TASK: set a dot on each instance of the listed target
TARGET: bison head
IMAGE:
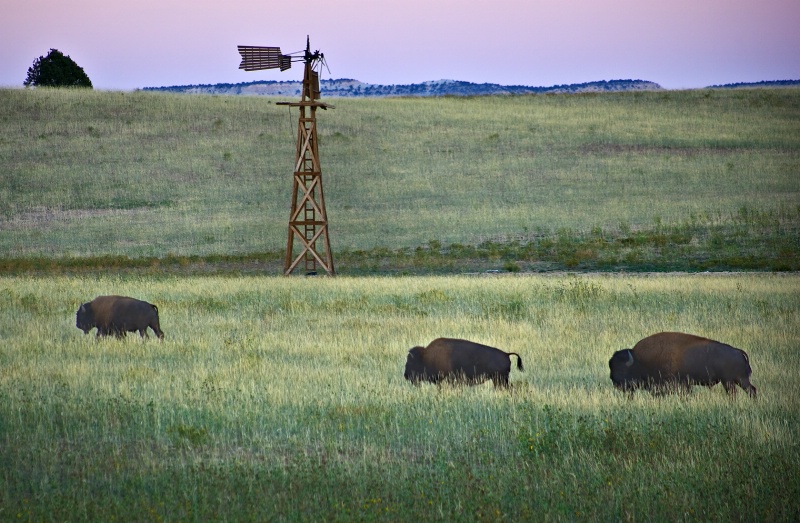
(84, 320)
(624, 369)
(415, 368)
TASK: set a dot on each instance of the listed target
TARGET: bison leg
(684, 387)
(730, 388)
(157, 329)
(500, 380)
(745, 384)
(751, 389)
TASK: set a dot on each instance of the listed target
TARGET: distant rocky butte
(353, 88)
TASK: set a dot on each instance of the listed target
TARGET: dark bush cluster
(56, 70)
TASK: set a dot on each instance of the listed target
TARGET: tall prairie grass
(282, 399)
(149, 174)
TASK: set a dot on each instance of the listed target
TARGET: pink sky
(124, 45)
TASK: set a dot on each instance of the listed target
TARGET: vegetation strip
(768, 243)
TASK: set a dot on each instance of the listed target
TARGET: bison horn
(629, 362)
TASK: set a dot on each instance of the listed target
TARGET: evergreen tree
(56, 70)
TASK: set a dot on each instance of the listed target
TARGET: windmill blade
(256, 58)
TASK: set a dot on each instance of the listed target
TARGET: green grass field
(691, 180)
(283, 399)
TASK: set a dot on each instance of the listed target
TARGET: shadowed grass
(147, 175)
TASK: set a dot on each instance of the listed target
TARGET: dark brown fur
(118, 315)
(675, 359)
(454, 360)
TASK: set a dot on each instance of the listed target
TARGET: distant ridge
(751, 85)
(353, 88)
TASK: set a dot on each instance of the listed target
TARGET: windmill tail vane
(257, 58)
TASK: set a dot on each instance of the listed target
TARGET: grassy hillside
(638, 181)
(283, 399)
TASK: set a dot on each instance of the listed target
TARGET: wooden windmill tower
(308, 221)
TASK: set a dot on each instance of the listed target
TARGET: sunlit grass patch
(295, 387)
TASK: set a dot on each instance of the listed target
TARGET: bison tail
(519, 360)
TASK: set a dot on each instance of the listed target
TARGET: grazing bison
(118, 315)
(448, 359)
(670, 359)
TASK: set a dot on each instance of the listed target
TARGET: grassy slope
(282, 399)
(638, 181)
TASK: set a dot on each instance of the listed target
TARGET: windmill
(308, 221)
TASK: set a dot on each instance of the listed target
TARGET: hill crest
(346, 87)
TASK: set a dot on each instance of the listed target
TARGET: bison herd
(658, 363)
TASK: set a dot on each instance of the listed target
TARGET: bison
(454, 360)
(675, 359)
(118, 315)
